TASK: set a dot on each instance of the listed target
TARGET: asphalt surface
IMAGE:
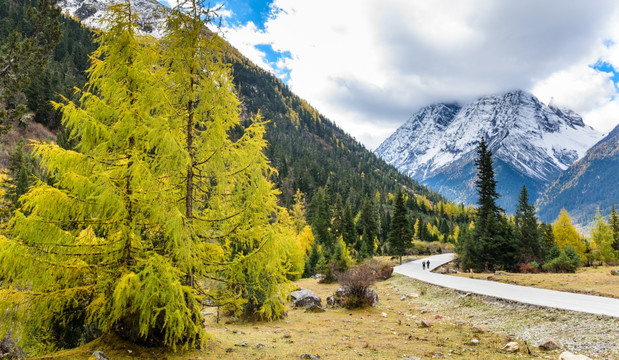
(523, 294)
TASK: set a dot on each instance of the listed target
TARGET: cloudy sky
(369, 64)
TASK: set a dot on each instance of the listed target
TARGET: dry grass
(589, 280)
(337, 333)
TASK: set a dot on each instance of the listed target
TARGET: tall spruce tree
(368, 226)
(614, 225)
(492, 242)
(527, 229)
(400, 236)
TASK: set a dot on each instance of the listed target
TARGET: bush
(382, 269)
(532, 267)
(358, 280)
(563, 263)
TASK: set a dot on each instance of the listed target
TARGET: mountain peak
(528, 138)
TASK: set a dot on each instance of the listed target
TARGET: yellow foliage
(566, 234)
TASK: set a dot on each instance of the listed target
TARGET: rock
(412, 296)
(383, 314)
(549, 345)
(309, 356)
(99, 355)
(260, 346)
(242, 344)
(437, 316)
(480, 329)
(426, 323)
(474, 342)
(9, 349)
(566, 355)
(332, 302)
(498, 273)
(313, 308)
(453, 271)
(371, 297)
(510, 347)
(412, 358)
(614, 272)
(304, 297)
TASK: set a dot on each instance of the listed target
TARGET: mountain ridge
(436, 146)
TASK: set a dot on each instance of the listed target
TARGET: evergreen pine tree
(614, 225)
(19, 176)
(493, 240)
(349, 233)
(400, 236)
(527, 229)
(368, 225)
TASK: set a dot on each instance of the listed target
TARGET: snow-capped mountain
(92, 13)
(532, 144)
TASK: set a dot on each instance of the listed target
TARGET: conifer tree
(109, 243)
(19, 176)
(527, 229)
(493, 243)
(614, 225)
(368, 226)
(24, 57)
(349, 234)
(400, 234)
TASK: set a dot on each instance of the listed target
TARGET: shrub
(532, 267)
(562, 263)
(382, 269)
(358, 280)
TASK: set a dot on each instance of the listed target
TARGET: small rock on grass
(426, 323)
(614, 272)
(480, 329)
(243, 344)
(549, 345)
(474, 342)
(566, 355)
(309, 356)
(510, 347)
(313, 308)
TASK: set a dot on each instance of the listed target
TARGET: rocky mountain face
(532, 144)
(589, 183)
(92, 13)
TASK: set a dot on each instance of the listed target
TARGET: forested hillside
(308, 150)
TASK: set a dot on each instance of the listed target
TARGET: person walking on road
(423, 264)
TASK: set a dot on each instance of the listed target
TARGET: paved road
(548, 298)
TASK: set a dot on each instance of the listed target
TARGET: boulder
(549, 345)
(304, 297)
(510, 347)
(474, 342)
(614, 272)
(566, 355)
(480, 329)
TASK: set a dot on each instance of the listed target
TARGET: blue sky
(369, 64)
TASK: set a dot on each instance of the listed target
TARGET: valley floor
(393, 330)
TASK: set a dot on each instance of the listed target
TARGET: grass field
(392, 330)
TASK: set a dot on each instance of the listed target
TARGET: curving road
(528, 295)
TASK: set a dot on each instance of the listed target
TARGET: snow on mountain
(93, 13)
(529, 139)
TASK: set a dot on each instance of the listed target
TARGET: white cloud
(369, 64)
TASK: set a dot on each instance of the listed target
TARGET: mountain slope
(307, 149)
(532, 144)
(589, 183)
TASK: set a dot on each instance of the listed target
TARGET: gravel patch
(593, 335)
